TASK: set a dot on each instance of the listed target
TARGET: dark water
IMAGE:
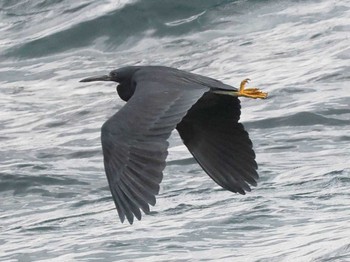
(55, 203)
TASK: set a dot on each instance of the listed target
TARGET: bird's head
(123, 76)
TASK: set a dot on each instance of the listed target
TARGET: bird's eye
(113, 74)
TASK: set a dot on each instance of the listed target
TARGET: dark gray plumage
(160, 99)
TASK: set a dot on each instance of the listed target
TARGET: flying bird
(160, 99)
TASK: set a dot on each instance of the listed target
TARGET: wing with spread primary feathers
(134, 142)
(211, 132)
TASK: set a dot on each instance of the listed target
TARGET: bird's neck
(125, 90)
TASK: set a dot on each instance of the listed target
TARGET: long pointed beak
(96, 78)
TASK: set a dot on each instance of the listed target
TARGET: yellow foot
(246, 92)
(250, 92)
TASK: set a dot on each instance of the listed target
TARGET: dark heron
(159, 99)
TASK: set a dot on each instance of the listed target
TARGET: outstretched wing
(134, 142)
(219, 143)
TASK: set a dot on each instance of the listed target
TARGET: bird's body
(204, 111)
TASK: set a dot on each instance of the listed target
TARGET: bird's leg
(246, 92)
(250, 92)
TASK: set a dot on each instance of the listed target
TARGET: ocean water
(55, 203)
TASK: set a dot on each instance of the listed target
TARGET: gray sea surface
(55, 202)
